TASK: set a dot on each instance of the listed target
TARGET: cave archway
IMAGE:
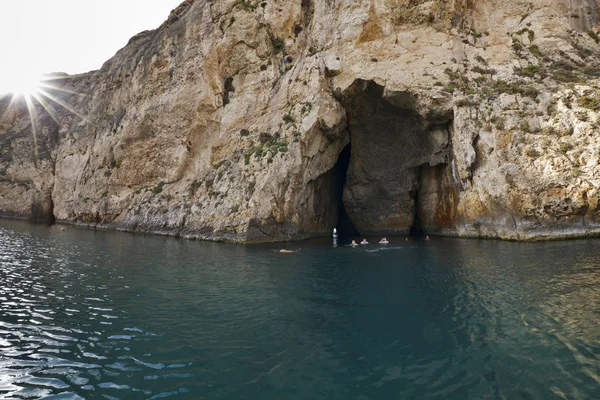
(392, 146)
(42, 210)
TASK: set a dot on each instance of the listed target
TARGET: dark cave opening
(344, 226)
(43, 212)
(417, 226)
(51, 216)
(391, 187)
(228, 88)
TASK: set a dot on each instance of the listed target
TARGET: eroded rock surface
(275, 120)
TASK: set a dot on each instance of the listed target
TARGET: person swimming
(383, 241)
(364, 241)
(289, 251)
(427, 238)
(354, 244)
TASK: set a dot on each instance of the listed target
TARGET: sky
(72, 36)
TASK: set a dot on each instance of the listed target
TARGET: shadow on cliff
(344, 226)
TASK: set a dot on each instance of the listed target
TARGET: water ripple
(87, 314)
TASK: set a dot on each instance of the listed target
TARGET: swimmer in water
(427, 238)
(383, 241)
(289, 251)
(364, 241)
(354, 244)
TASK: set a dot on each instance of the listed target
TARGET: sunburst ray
(47, 107)
(31, 110)
(43, 91)
(46, 83)
(63, 104)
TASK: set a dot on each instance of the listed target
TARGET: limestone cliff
(253, 121)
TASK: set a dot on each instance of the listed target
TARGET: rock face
(252, 121)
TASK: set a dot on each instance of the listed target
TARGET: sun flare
(40, 94)
(21, 84)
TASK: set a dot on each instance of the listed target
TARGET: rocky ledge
(256, 121)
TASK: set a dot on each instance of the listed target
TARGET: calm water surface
(108, 315)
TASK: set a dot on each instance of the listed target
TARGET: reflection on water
(87, 314)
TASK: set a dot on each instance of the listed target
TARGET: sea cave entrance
(383, 182)
(42, 210)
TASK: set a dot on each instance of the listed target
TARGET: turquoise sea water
(106, 315)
